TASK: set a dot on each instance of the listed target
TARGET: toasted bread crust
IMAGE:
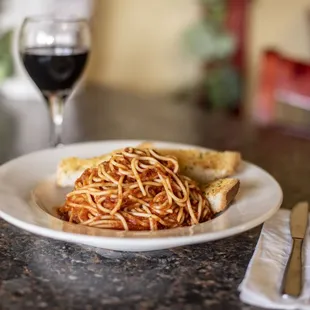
(221, 193)
(205, 166)
(69, 169)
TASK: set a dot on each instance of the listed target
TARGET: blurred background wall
(137, 44)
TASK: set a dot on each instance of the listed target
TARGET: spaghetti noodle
(136, 189)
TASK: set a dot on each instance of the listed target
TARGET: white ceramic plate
(28, 195)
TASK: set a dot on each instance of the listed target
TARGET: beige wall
(137, 44)
(281, 24)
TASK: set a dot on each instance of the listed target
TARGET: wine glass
(54, 52)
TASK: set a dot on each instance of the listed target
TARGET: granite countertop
(37, 273)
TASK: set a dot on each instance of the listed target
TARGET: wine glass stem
(56, 105)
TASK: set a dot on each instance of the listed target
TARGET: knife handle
(292, 281)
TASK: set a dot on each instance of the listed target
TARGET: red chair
(283, 93)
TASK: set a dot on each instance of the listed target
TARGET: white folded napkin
(262, 282)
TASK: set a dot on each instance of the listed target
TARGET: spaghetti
(136, 189)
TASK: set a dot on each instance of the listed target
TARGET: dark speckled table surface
(39, 273)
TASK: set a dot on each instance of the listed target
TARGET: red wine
(54, 69)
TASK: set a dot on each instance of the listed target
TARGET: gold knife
(293, 278)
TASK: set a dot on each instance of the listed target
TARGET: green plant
(6, 59)
(209, 41)
(223, 86)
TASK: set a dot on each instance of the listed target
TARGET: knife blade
(292, 280)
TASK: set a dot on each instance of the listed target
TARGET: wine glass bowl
(54, 52)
